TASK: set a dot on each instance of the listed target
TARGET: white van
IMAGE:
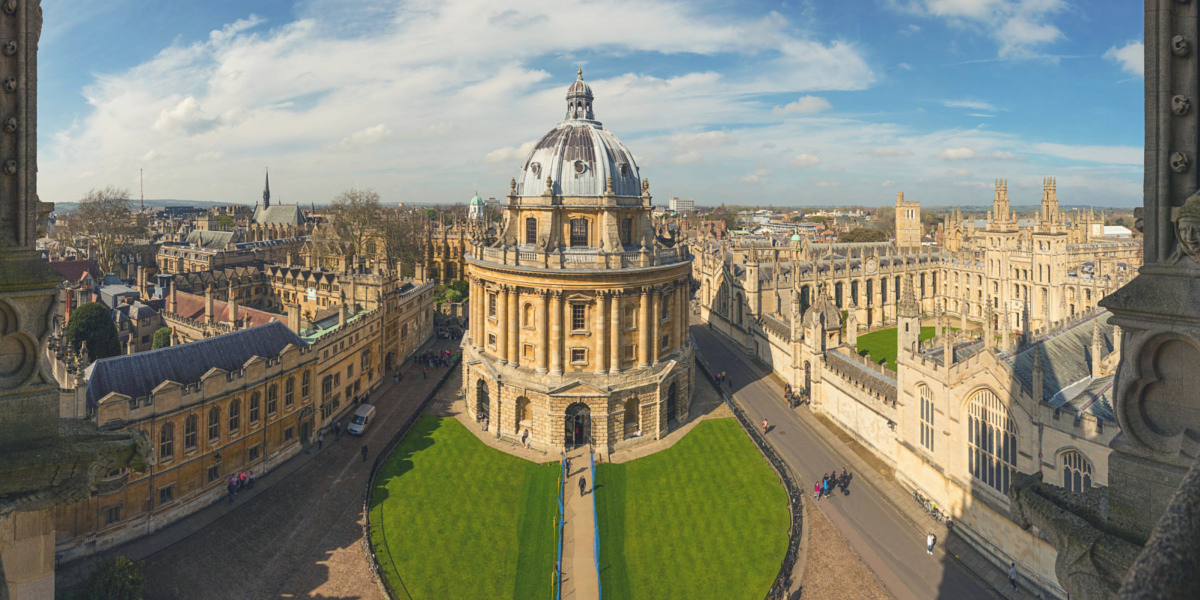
(362, 417)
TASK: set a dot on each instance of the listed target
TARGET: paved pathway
(878, 518)
(579, 527)
(298, 534)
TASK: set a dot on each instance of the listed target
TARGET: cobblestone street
(302, 537)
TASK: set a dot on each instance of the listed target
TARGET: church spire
(267, 191)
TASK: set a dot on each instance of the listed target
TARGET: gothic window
(235, 415)
(189, 433)
(870, 292)
(579, 233)
(1077, 471)
(166, 442)
(926, 417)
(883, 291)
(214, 424)
(627, 231)
(530, 231)
(837, 294)
(992, 441)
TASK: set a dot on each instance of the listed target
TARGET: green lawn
(452, 518)
(882, 344)
(704, 519)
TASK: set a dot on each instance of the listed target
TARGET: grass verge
(452, 518)
(706, 518)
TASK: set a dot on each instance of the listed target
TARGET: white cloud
(904, 66)
(1131, 57)
(1116, 155)
(186, 117)
(804, 160)
(888, 183)
(509, 154)
(367, 136)
(1002, 155)
(956, 154)
(971, 104)
(707, 139)
(960, 173)
(983, 185)
(1020, 27)
(806, 105)
(756, 176)
(687, 158)
(891, 151)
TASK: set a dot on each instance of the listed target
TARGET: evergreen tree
(162, 338)
(93, 323)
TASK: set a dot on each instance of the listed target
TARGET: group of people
(450, 333)
(434, 358)
(830, 481)
(723, 377)
(239, 481)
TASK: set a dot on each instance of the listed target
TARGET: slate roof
(135, 375)
(288, 214)
(1067, 366)
(213, 240)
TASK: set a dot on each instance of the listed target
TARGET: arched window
(214, 423)
(326, 387)
(528, 318)
(190, 424)
(579, 233)
(166, 442)
(992, 440)
(255, 401)
(522, 412)
(289, 392)
(304, 381)
(531, 231)
(627, 231)
(235, 415)
(272, 399)
(1077, 471)
(926, 416)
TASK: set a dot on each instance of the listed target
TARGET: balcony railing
(583, 258)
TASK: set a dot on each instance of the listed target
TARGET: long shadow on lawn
(419, 438)
(610, 519)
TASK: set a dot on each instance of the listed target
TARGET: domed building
(578, 331)
(475, 209)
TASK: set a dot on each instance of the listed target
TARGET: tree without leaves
(402, 235)
(354, 219)
(105, 217)
(92, 323)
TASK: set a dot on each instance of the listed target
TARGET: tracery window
(1077, 471)
(926, 417)
(992, 441)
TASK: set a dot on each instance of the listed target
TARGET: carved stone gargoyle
(1093, 554)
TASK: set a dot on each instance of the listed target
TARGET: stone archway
(578, 426)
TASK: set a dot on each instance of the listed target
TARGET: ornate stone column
(502, 325)
(644, 330)
(514, 326)
(614, 345)
(602, 332)
(543, 331)
(556, 333)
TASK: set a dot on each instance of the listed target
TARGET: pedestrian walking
(567, 466)
(525, 439)
(249, 480)
(232, 489)
(424, 373)
(817, 491)
(764, 427)
(825, 488)
(320, 440)
(241, 481)
(730, 382)
(929, 543)
(1012, 576)
(364, 452)
(337, 430)
(582, 485)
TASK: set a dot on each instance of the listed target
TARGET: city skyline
(761, 103)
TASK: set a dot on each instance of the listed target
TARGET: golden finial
(579, 73)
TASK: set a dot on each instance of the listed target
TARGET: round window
(536, 168)
(579, 166)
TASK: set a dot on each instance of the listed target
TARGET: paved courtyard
(297, 535)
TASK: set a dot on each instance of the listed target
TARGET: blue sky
(746, 102)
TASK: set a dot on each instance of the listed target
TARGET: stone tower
(43, 462)
(908, 320)
(1000, 208)
(908, 222)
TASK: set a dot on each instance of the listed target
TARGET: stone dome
(579, 155)
(476, 200)
(796, 237)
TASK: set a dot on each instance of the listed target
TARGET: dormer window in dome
(580, 167)
(536, 168)
(624, 168)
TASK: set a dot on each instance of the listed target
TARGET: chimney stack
(208, 304)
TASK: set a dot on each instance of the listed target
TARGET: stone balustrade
(582, 258)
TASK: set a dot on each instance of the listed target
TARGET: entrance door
(579, 426)
(306, 430)
(483, 399)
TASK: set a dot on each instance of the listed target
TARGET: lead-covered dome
(579, 155)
